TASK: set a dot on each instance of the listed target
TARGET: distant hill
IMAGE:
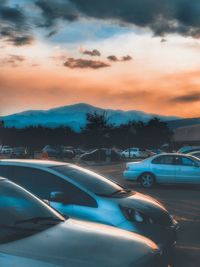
(74, 116)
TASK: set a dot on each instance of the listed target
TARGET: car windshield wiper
(39, 219)
(123, 191)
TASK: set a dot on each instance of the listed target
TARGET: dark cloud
(84, 63)
(53, 10)
(187, 98)
(51, 33)
(20, 40)
(167, 16)
(126, 58)
(163, 40)
(13, 25)
(93, 53)
(11, 14)
(112, 58)
(115, 58)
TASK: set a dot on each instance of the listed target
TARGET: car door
(187, 170)
(75, 202)
(163, 168)
(38, 182)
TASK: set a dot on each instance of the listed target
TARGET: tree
(97, 132)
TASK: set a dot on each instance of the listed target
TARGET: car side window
(168, 160)
(187, 162)
(42, 183)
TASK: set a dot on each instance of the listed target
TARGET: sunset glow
(156, 74)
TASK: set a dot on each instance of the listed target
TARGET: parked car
(188, 149)
(67, 153)
(83, 194)
(33, 234)
(79, 151)
(136, 153)
(58, 152)
(101, 155)
(19, 152)
(156, 151)
(131, 153)
(195, 154)
(168, 168)
(6, 150)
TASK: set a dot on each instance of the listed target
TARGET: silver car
(32, 234)
(168, 168)
(83, 194)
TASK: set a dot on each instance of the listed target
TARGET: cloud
(187, 98)
(162, 17)
(84, 63)
(115, 58)
(112, 58)
(11, 14)
(54, 10)
(12, 60)
(20, 40)
(93, 53)
(52, 33)
(126, 58)
(14, 26)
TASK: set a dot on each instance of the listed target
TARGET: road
(182, 201)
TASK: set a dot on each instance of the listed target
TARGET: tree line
(97, 133)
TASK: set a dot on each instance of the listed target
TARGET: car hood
(76, 243)
(15, 261)
(148, 206)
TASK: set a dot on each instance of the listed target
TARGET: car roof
(172, 154)
(32, 162)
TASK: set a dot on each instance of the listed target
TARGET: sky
(130, 55)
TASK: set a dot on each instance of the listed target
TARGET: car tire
(147, 180)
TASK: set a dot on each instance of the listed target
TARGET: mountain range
(74, 116)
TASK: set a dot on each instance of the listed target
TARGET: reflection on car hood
(148, 206)
(76, 243)
(15, 261)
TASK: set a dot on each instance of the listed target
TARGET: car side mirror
(59, 197)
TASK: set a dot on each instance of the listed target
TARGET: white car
(6, 150)
(32, 234)
(168, 168)
(134, 152)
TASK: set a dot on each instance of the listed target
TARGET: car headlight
(135, 216)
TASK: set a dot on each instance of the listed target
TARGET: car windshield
(22, 214)
(90, 180)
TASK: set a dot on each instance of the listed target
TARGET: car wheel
(147, 180)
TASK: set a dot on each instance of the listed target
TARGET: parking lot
(182, 201)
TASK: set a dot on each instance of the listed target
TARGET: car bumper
(164, 237)
(131, 175)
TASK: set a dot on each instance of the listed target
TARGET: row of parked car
(60, 152)
(75, 217)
